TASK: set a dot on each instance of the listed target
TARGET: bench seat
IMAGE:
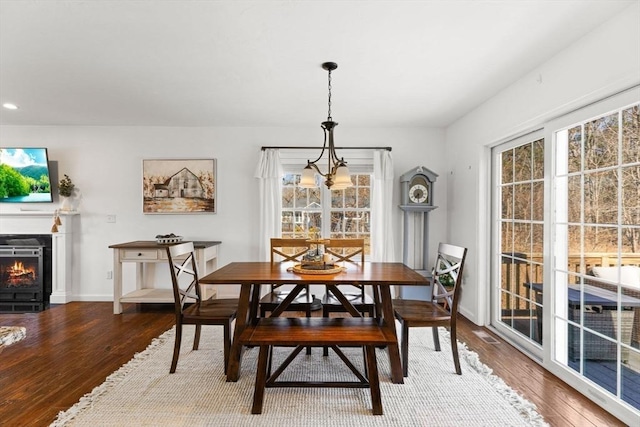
(316, 332)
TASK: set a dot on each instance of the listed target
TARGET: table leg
(117, 282)
(255, 302)
(140, 276)
(388, 321)
(343, 300)
(242, 318)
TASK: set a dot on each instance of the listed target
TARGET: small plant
(66, 186)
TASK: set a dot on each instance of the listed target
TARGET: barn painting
(174, 186)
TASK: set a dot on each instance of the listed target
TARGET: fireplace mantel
(40, 222)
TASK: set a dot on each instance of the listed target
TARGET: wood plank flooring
(72, 348)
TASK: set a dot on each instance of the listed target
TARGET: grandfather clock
(417, 196)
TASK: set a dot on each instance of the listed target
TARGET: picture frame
(178, 186)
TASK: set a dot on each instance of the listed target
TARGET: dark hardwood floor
(72, 348)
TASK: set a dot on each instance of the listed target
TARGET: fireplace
(25, 273)
(59, 263)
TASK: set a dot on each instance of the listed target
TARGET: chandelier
(337, 176)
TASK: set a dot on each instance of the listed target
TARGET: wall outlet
(111, 218)
(109, 274)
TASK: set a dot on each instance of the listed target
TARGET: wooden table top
(382, 273)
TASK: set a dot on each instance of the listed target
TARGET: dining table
(251, 276)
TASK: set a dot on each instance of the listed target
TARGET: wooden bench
(316, 332)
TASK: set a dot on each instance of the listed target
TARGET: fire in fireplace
(25, 273)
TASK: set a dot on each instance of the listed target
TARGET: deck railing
(518, 269)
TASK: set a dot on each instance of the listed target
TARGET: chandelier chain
(329, 85)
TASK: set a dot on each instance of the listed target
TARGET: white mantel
(40, 222)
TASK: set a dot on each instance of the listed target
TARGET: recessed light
(9, 106)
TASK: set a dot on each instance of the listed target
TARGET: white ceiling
(258, 63)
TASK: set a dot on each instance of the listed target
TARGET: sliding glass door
(596, 320)
(565, 281)
(518, 199)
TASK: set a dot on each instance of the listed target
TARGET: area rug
(11, 334)
(143, 393)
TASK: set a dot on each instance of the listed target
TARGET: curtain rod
(337, 148)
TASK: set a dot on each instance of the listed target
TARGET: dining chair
(190, 308)
(441, 310)
(344, 251)
(285, 250)
(288, 250)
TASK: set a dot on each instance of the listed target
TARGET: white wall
(603, 62)
(105, 163)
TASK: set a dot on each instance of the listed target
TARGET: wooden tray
(329, 270)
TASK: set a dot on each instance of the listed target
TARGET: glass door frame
(529, 346)
(553, 305)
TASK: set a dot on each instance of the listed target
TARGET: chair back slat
(345, 249)
(447, 275)
(288, 249)
(284, 250)
(184, 274)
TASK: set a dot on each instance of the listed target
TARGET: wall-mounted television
(25, 175)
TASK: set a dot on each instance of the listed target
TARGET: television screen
(24, 175)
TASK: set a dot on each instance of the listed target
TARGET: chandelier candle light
(337, 176)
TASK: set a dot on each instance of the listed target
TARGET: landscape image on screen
(24, 175)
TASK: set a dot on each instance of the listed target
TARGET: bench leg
(261, 379)
(374, 381)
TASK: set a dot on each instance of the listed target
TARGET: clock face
(418, 193)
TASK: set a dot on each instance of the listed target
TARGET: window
(336, 213)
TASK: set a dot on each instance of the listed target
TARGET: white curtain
(269, 173)
(382, 248)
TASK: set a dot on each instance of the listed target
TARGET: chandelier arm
(313, 165)
(333, 158)
(324, 145)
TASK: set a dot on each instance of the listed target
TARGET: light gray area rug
(11, 334)
(143, 393)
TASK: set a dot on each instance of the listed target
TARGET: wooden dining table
(380, 276)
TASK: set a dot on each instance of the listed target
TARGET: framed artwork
(179, 186)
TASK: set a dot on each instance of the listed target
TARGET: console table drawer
(135, 254)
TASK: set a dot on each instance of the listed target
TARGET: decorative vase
(67, 205)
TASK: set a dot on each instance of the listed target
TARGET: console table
(146, 254)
